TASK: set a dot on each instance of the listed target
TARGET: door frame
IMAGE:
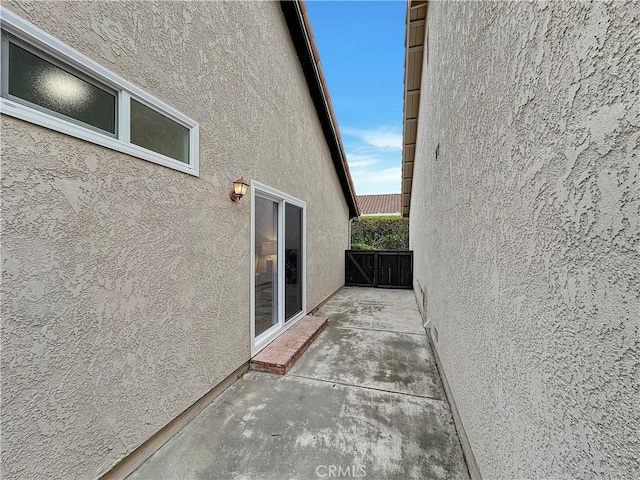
(265, 191)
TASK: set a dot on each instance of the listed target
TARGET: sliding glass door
(266, 265)
(293, 268)
(279, 269)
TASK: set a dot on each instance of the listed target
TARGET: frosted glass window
(45, 82)
(152, 130)
(35, 80)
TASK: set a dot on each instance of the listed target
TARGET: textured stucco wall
(526, 231)
(125, 288)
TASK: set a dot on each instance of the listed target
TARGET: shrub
(361, 246)
(380, 233)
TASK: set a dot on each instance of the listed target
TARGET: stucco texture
(125, 285)
(526, 231)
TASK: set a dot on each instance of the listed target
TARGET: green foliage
(380, 233)
(361, 246)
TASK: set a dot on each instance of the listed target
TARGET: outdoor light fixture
(240, 187)
(268, 248)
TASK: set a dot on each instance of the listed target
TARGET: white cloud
(384, 137)
(374, 160)
(360, 160)
(368, 182)
(358, 164)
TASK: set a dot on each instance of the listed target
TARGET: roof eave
(415, 20)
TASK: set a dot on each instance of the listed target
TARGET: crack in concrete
(368, 388)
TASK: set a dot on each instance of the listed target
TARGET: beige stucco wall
(526, 231)
(125, 287)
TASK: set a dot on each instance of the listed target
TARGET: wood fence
(379, 268)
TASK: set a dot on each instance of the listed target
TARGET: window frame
(25, 34)
(10, 38)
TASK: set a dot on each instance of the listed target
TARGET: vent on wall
(437, 151)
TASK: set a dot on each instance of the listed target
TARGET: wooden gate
(379, 268)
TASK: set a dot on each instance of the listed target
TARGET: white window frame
(32, 35)
(257, 344)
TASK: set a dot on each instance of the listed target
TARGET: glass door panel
(293, 268)
(266, 265)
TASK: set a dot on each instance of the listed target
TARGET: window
(154, 131)
(46, 82)
(41, 83)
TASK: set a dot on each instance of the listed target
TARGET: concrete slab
(395, 362)
(364, 401)
(273, 427)
(390, 310)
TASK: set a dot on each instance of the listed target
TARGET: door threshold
(281, 354)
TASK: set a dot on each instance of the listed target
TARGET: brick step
(280, 355)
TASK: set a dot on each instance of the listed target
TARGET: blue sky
(362, 53)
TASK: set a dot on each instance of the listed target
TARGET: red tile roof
(388, 204)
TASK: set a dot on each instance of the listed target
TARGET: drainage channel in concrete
(364, 401)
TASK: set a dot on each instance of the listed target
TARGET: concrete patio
(364, 401)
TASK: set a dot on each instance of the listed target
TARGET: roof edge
(413, 61)
(295, 14)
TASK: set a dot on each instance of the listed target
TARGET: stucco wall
(526, 231)
(125, 288)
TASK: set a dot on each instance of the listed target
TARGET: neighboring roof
(295, 14)
(380, 204)
(416, 21)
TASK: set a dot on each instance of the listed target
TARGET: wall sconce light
(240, 187)
(268, 248)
